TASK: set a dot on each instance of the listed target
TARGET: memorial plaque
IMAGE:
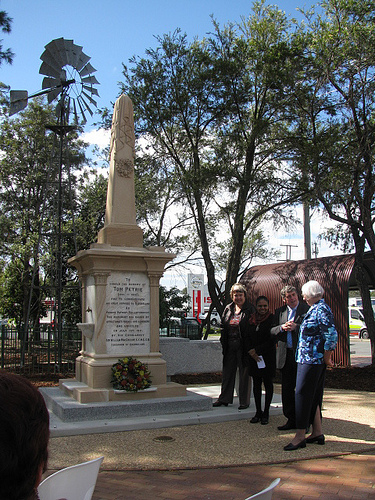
(128, 313)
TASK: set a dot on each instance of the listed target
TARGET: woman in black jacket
(261, 349)
(234, 323)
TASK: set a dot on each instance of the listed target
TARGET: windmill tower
(69, 80)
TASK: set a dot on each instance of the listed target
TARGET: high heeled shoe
(290, 446)
(316, 439)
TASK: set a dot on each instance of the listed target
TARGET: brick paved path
(350, 476)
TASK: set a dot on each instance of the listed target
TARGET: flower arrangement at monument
(130, 375)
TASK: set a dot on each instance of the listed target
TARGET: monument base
(95, 370)
(83, 394)
(92, 382)
(67, 409)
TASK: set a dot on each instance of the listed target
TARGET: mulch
(352, 378)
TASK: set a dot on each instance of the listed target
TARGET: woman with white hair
(317, 341)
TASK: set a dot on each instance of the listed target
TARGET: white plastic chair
(72, 483)
(266, 494)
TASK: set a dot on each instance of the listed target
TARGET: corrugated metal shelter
(334, 273)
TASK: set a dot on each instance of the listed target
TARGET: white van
(215, 317)
(357, 325)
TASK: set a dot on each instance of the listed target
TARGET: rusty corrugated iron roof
(333, 273)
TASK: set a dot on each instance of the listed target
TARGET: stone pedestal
(120, 285)
(120, 317)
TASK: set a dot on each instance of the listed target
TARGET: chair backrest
(72, 483)
(266, 494)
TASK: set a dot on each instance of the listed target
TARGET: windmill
(68, 79)
(69, 76)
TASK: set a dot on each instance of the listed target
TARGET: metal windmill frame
(69, 77)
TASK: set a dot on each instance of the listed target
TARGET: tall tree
(209, 111)
(6, 55)
(334, 127)
(28, 198)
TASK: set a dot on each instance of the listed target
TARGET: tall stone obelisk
(120, 228)
(120, 285)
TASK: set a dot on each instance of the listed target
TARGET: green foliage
(334, 127)
(212, 113)
(172, 302)
(334, 120)
(90, 215)
(6, 26)
(28, 199)
(11, 291)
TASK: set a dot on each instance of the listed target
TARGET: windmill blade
(90, 99)
(53, 94)
(48, 70)
(53, 54)
(91, 89)
(77, 50)
(82, 61)
(58, 110)
(69, 52)
(49, 59)
(49, 83)
(86, 105)
(59, 46)
(81, 109)
(90, 79)
(18, 101)
(75, 112)
(87, 70)
(73, 53)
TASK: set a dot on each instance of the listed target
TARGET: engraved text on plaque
(128, 313)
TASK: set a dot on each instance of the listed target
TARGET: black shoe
(264, 420)
(287, 427)
(219, 403)
(290, 446)
(317, 439)
(256, 418)
(243, 407)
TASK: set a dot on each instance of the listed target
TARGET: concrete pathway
(231, 458)
(348, 476)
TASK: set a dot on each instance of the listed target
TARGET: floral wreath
(130, 375)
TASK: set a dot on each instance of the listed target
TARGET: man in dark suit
(286, 330)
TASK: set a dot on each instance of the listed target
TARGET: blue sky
(110, 32)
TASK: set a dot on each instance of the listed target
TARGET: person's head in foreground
(312, 292)
(24, 436)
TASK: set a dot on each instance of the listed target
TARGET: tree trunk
(360, 278)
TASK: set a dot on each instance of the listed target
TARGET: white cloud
(100, 138)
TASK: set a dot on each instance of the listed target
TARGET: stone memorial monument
(120, 286)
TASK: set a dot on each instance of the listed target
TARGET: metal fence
(41, 352)
(189, 331)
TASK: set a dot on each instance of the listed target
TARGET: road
(360, 351)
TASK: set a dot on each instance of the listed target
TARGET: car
(214, 319)
(357, 325)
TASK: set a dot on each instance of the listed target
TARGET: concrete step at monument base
(82, 393)
(68, 409)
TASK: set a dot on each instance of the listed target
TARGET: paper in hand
(261, 363)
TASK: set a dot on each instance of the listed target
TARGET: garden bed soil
(353, 378)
